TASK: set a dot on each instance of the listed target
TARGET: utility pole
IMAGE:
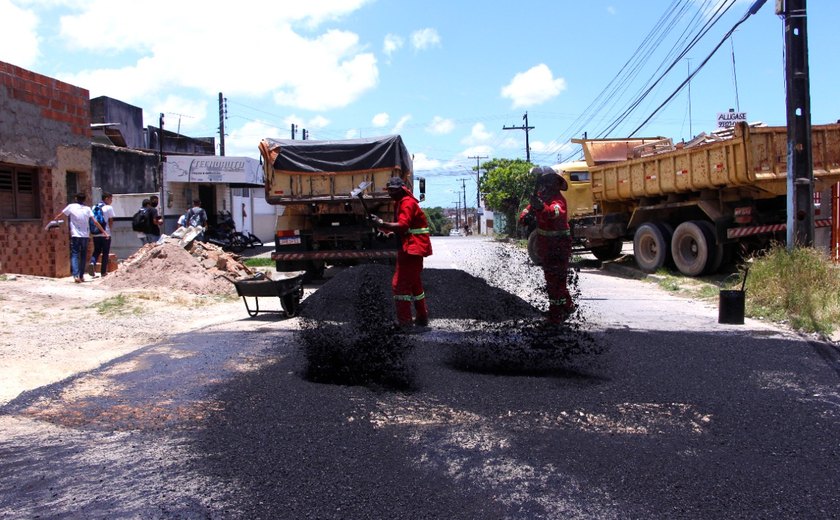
(464, 190)
(458, 214)
(800, 171)
(222, 117)
(294, 131)
(478, 190)
(526, 128)
(305, 134)
(160, 170)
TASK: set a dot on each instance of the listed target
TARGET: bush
(801, 286)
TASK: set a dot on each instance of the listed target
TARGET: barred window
(18, 193)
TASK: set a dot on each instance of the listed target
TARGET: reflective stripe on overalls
(409, 297)
(558, 233)
(418, 231)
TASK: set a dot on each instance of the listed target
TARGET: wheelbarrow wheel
(291, 303)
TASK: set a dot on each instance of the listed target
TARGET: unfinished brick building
(45, 158)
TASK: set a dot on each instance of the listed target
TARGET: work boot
(91, 270)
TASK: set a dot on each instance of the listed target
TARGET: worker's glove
(376, 221)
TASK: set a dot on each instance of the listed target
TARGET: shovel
(359, 192)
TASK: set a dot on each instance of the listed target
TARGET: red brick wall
(58, 101)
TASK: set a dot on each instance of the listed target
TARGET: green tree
(438, 223)
(506, 187)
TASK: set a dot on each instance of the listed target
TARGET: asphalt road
(664, 414)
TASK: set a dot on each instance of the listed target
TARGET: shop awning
(213, 169)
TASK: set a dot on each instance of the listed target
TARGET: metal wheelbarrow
(288, 286)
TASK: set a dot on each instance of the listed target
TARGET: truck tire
(717, 251)
(610, 251)
(651, 246)
(532, 248)
(693, 247)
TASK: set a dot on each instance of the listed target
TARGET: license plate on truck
(287, 241)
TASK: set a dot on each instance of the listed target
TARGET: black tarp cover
(347, 155)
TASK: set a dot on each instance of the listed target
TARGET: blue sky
(447, 75)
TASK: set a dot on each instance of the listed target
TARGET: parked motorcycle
(224, 234)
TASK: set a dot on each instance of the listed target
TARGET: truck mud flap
(333, 255)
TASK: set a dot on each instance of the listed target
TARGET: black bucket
(731, 307)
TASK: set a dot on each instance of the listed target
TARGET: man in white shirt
(80, 218)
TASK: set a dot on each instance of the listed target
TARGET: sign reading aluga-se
(729, 119)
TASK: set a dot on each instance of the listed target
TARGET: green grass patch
(801, 286)
(119, 304)
(259, 261)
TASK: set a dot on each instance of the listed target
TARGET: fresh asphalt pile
(349, 337)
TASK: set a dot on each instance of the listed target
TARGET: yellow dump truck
(692, 203)
(326, 190)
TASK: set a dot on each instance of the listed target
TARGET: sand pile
(196, 269)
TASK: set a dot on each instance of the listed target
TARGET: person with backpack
(154, 221)
(140, 221)
(103, 213)
(80, 218)
(196, 217)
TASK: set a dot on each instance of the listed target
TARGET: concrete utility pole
(294, 131)
(162, 204)
(458, 214)
(526, 128)
(478, 190)
(222, 117)
(464, 190)
(800, 171)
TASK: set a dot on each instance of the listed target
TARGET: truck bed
(754, 158)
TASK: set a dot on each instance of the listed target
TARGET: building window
(71, 180)
(18, 193)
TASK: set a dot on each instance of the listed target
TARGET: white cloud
(440, 125)
(19, 42)
(245, 140)
(424, 39)
(392, 44)
(534, 86)
(611, 10)
(319, 70)
(317, 122)
(478, 134)
(400, 124)
(352, 133)
(380, 120)
(422, 162)
(477, 151)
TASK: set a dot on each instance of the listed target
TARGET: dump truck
(691, 205)
(326, 190)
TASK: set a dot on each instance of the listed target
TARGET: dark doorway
(207, 194)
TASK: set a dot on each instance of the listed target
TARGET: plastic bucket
(731, 307)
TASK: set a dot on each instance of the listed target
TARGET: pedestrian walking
(103, 213)
(554, 242)
(412, 228)
(154, 221)
(80, 218)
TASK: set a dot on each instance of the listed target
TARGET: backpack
(99, 217)
(193, 218)
(140, 221)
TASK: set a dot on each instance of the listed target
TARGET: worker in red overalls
(554, 242)
(413, 229)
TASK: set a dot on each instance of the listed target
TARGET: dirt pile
(196, 269)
